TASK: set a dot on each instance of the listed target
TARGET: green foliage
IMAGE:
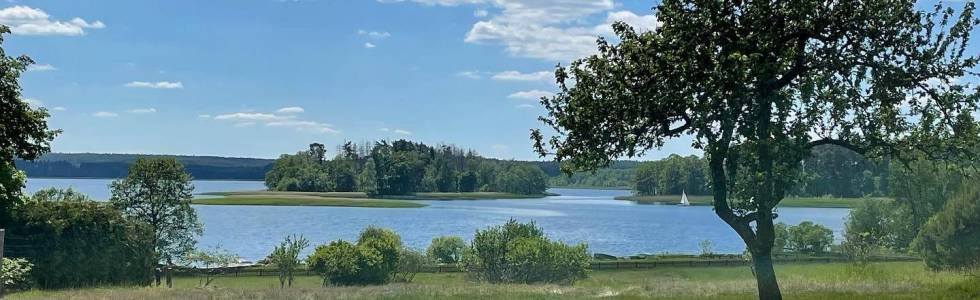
(113, 165)
(410, 262)
(520, 253)
(922, 189)
(24, 130)
(73, 242)
(15, 274)
(446, 249)
(401, 168)
(672, 175)
(522, 179)
(706, 248)
(809, 238)
(951, 238)
(338, 262)
(875, 225)
(375, 259)
(781, 234)
(158, 192)
(213, 261)
(286, 258)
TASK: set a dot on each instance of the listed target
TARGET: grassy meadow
(704, 200)
(891, 280)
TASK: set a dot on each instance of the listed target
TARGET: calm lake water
(578, 215)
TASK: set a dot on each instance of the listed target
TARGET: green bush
(75, 242)
(446, 249)
(809, 238)
(15, 274)
(951, 238)
(520, 253)
(410, 262)
(373, 260)
(338, 262)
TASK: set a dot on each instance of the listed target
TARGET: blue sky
(264, 77)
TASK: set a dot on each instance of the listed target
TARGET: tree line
(401, 167)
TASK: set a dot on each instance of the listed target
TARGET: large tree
(24, 131)
(759, 84)
(158, 192)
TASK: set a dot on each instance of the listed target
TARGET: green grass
(701, 200)
(893, 280)
(295, 200)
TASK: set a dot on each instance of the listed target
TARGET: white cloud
(304, 125)
(530, 95)
(156, 85)
(105, 114)
(374, 34)
(41, 68)
(369, 45)
(554, 30)
(290, 110)
(402, 132)
(243, 119)
(518, 76)
(252, 116)
(470, 74)
(479, 13)
(24, 20)
(204, 116)
(385, 129)
(148, 110)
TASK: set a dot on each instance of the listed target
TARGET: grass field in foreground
(893, 280)
(701, 200)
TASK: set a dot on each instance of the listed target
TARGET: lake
(577, 215)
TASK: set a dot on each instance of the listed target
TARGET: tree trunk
(765, 277)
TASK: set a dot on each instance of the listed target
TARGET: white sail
(684, 201)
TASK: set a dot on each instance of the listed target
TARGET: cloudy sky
(263, 77)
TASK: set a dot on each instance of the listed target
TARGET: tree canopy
(760, 84)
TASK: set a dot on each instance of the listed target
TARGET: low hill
(100, 165)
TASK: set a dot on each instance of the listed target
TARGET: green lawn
(892, 280)
(701, 200)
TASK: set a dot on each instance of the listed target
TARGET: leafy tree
(367, 181)
(74, 241)
(446, 249)
(809, 238)
(920, 191)
(386, 244)
(158, 192)
(214, 261)
(286, 258)
(410, 263)
(339, 262)
(375, 259)
(24, 131)
(875, 225)
(468, 182)
(318, 152)
(759, 84)
(951, 238)
(15, 274)
(780, 235)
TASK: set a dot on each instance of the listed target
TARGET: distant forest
(98, 165)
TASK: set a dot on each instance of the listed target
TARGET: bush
(410, 262)
(781, 235)
(15, 274)
(520, 253)
(809, 238)
(374, 259)
(446, 249)
(75, 242)
(286, 258)
(951, 238)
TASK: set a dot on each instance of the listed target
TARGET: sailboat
(684, 201)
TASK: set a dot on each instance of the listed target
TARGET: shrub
(809, 238)
(76, 242)
(15, 274)
(286, 258)
(519, 252)
(781, 234)
(410, 262)
(338, 262)
(951, 238)
(446, 249)
(374, 259)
